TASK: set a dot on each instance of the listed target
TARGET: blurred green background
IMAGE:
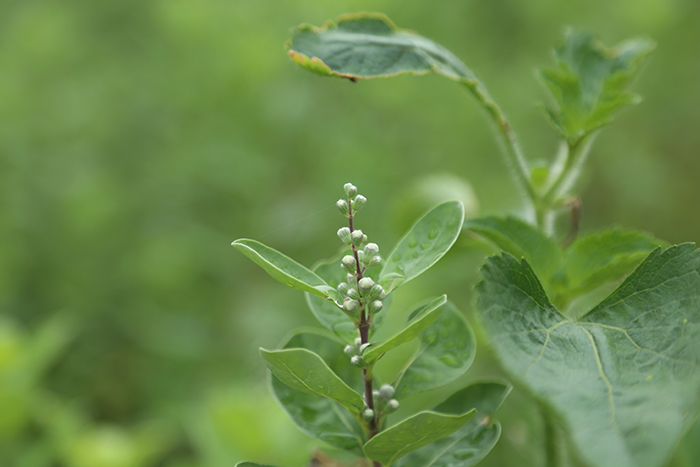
(139, 138)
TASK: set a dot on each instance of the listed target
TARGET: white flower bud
(357, 361)
(368, 414)
(376, 306)
(349, 264)
(363, 347)
(392, 406)
(358, 342)
(343, 207)
(350, 190)
(365, 284)
(386, 392)
(375, 260)
(358, 202)
(350, 305)
(343, 288)
(357, 237)
(350, 351)
(353, 293)
(361, 256)
(344, 235)
(371, 249)
(376, 291)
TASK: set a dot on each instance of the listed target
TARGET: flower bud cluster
(355, 352)
(384, 402)
(358, 293)
(352, 203)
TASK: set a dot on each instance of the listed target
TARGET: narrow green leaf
(251, 464)
(470, 444)
(521, 240)
(283, 268)
(413, 433)
(424, 244)
(630, 367)
(446, 351)
(369, 45)
(589, 83)
(317, 415)
(305, 371)
(328, 313)
(419, 319)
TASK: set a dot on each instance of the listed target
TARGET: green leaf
(589, 83)
(413, 433)
(521, 240)
(423, 245)
(328, 313)
(446, 351)
(305, 371)
(419, 319)
(283, 268)
(603, 257)
(590, 262)
(624, 379)
(317, 415)
(470, 444)
(251, 464)
(369, 45)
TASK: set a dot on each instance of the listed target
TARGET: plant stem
(514, 156)
(363, 327)
(552, 440)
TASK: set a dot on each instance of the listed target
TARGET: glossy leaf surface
(589, 83)
(423, 245)
(317, 415)
(369, 45)
(413, 433)
(305, 371)
(283, 268)
(420, 318)
(624, 378)
(470, 444)
(447, 350)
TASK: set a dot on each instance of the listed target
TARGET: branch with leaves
(620, 380)
(326, 382)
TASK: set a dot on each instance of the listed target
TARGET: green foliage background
(138, 139)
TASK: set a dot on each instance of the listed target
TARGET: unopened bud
(353, 293)
(375, 260)
(363, 347)
(350, 305)
(357, 237)
(343, 288)
(365, 284)
(386, 392)
(357, 361)
(376, 291)
(350, 350)
(344, 235)
(368, 414)
(358, 202)
(349, 264)
(350, 190)
(392, 406)
(371, 249)
(358, 342)
(361, 256)
(343, 207)
(376, 306)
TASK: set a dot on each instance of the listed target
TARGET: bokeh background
(139, 138)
